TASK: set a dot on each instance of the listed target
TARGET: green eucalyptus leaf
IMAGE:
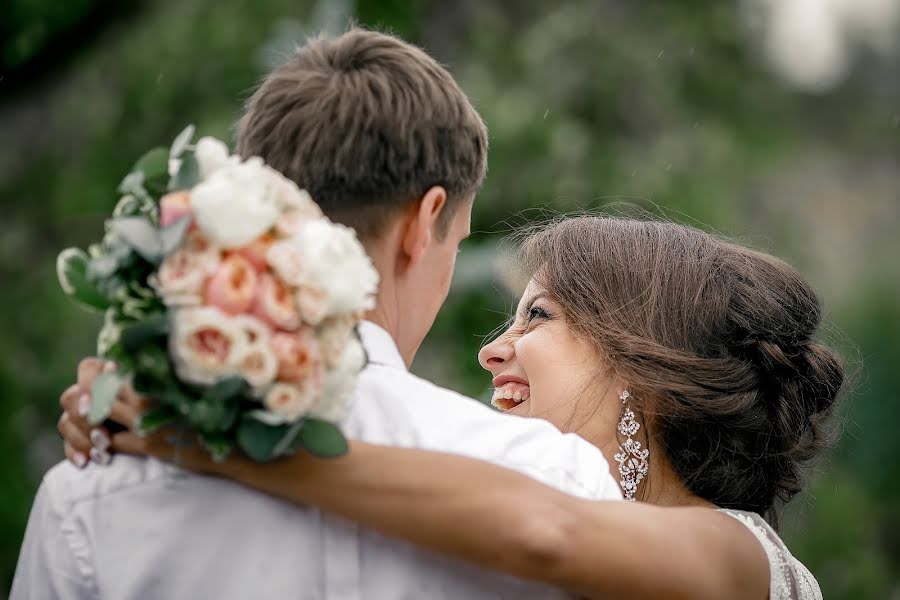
(130, 205)
(153, 360)
(102, 267)
(135, 336)
(261, 441)
(156, 418)
(154, 164)
(181, 141)
(133, 184)
(225, 390)
(173, 235)
(72, 267)
(323, 439)
(141, 235)
(188, 173)
(210, 416)
(109, 336)
(104, 390)
(218, 445)
(164, 390)
(127, 206)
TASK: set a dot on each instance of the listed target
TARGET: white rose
(337, 264)
(258, 366)
(292, 198)
(287, 260)
(182, 275)
(333, 335)
(312, 303)
(339, 383)
(287, 403)
(212, 155)
(205, 344)
(290, 222)
(236, 204)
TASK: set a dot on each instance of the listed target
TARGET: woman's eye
(536, 312)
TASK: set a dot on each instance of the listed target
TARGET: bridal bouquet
(229, 300)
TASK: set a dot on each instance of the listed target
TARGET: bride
(691, 362)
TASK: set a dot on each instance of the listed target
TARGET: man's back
(140, 529)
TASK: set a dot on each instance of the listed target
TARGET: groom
(386, 142)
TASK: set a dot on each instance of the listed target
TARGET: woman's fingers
(75, 401)
(88, 369)
(76, 457)
(123, 413)
(73, 435)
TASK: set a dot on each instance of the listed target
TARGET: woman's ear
(422, 221)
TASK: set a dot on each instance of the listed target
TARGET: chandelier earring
(632, 458)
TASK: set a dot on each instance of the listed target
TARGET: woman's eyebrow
(527, 306)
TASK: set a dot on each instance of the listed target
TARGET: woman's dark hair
(717, 343)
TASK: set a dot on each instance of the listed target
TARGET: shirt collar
(380, 346)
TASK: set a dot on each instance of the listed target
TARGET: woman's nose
(495, 355)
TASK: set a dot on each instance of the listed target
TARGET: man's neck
(390, 322)
(387, 312)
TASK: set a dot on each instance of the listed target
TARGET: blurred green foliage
(669, 106)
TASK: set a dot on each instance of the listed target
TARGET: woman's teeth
(508, 396)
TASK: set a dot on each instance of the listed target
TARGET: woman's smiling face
(540, 367)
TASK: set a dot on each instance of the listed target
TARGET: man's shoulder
(70, 486)
(415, 406)
(395, 407)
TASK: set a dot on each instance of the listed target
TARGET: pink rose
(205, 344)
(173, 206)
(233, 286)
(287, 403)
(256, 251)
(195, 242)
(258, 333)
(258, 366)
(274, 303)
(298, 356)
(182, 275)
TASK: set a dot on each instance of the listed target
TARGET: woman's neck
(662, 486)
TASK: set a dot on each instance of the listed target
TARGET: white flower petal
(235, 205)
(339, 384)
(211, 155)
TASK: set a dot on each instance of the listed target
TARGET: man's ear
(422, 221)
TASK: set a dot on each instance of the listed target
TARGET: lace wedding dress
(789, 579)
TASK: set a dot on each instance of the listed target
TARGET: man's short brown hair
(367, 123)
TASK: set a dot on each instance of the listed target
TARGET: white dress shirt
(143, 530)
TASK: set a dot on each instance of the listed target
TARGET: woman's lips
(510, 394)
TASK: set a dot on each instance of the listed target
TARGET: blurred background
(775, 122)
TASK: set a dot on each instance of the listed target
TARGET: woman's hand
(84, 442)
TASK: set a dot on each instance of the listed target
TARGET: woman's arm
(502, 520)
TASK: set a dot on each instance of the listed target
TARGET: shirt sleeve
(54, 562)
(408, 411)
(562, 461)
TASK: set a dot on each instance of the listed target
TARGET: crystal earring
(632, 459)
